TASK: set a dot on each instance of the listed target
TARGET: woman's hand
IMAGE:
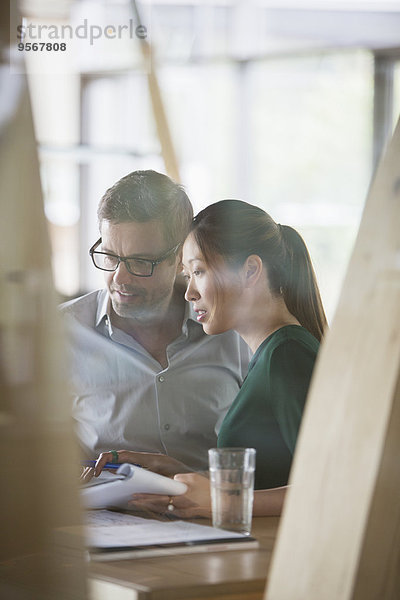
(159, 463)
(195, 503)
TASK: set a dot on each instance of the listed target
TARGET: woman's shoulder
(292, 335)
(288, 341)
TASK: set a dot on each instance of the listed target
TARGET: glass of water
(232, 485)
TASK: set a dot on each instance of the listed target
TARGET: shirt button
(161, 378)
(166, 426)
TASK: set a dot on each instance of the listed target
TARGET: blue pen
(91, 463)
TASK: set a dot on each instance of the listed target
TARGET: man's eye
(109, 260)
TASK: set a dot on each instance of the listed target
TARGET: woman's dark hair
(234, 230)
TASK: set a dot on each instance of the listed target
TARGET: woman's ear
(252, 270)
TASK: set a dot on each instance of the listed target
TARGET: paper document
(105, 476)
(117, 489)
(112, 535)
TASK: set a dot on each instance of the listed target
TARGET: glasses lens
(107, 262)
(142, 268)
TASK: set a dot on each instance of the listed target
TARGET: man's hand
(86, 474)
(159, 463)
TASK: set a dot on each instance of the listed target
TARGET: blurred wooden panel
(340, 532)
(39, 460)
(159, 111)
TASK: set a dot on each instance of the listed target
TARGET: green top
(267, 411)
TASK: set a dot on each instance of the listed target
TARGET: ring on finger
(170, 506)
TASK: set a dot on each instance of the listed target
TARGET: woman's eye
(197, 272)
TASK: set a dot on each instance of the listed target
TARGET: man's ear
(179, 265)
(252, 270)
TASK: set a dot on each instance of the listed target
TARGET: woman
(246, 272)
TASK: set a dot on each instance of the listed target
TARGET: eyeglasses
(141, 267)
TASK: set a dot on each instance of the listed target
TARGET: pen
(91, 463)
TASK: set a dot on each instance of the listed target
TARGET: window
(292, 133)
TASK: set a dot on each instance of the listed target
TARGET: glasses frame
(125, 259)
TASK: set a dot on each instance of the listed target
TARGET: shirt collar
(103, 307)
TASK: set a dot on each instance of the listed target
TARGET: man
(145, 377)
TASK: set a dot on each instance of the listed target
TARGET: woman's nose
(191, 293)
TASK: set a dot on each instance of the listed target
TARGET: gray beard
(141, 314)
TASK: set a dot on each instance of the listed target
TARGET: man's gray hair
(145, 196)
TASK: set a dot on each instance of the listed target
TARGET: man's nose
(121, 274)
(191, 293)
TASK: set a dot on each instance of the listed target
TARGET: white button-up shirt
(125, 400)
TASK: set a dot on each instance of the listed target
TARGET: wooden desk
(231, 575)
